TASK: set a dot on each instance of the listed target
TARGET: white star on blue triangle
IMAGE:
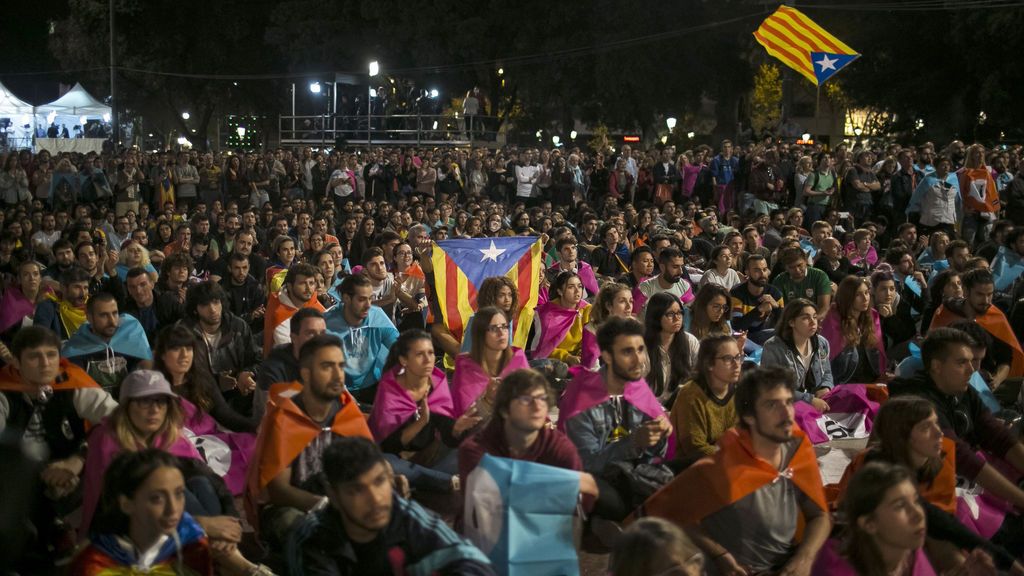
(826, 64)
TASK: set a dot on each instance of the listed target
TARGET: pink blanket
(470, 381)
(587, 389)
(393, 406)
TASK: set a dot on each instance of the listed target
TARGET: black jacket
(415, 542)
(963, 419)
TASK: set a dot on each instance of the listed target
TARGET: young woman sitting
(491, 357)
(854, 334)
(672, 351)
(704, 408)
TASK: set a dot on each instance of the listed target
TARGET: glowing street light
(691, 134)
(555, 140)
(434, 93)
(501, 71)
(664, 139)
(373, 92)
(539, 134)
(573, 134)
(241, 131)
(374, 68)
(857, 131)
(185, 115)
(314, 87)
(671, 123)
(805, 136)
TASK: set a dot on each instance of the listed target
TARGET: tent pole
(114, 121)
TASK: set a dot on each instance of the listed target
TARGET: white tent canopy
(11, 105)
(76, 102)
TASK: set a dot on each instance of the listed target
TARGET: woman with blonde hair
(613, 299)
(135, 255)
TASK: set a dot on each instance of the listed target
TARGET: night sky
(23, 48)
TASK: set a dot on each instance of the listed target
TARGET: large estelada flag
(799, 43)
(460, 267)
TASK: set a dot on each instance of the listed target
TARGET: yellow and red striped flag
(799, 43)
(461, 265)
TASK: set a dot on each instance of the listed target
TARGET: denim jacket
(777, 352)
(589, 431)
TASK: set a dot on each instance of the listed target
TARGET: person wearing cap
(46, 403)
(150, 416)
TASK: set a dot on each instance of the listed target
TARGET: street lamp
(434, 93)
(373, 69)
(857, 131)
(241, 131)
(555, 140)
(806, 136)
(501, 71)
(185, 115)
(314, 87)
(671, 123)
(690, 135)
(573, 134)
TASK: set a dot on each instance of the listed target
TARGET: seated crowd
(238, 364)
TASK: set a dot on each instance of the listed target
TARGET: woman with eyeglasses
(710, 313)
(704, 407)
(150, 416)
(412, 296)
(491, 357)
(854, 334)
(413, 417)
(672, 351)
(562, 318)
(906, 432)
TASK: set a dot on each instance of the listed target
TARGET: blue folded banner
(521, 515)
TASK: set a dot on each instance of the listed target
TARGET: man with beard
(302, 419)
(63, 259)
(64, 311)
(756, 305)
(1006, 356)
(298, 291)
(671, 280)
(742, 506)
(232, 225)
(366, 528)
(613, 418)
(109, 345)
(366, 333)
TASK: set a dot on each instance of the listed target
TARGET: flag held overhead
(799, 43)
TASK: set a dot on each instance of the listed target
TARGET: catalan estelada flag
(804, 46)
(461, 265)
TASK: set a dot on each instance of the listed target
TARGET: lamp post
(555, 140)
(671, 123)
(374, 69)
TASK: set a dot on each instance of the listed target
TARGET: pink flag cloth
(981, 511)
(227, 453)
(103, 448)
(470, 381)
(393, 406)
(832, 330)
(830, 562)
(587, 277)
(14, 307)
(587, 389)
(555, 321)
(590, 356)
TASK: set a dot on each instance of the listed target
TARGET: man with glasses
(518, 429)
(615, 421)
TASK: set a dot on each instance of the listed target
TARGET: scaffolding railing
(393, 129)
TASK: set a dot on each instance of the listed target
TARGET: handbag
(637, 482)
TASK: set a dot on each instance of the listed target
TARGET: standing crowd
(197, 348)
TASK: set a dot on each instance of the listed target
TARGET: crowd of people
(201, 346)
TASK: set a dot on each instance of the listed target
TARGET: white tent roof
(75, 102)
(11, 104)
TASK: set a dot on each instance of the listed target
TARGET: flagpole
(817, 113)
